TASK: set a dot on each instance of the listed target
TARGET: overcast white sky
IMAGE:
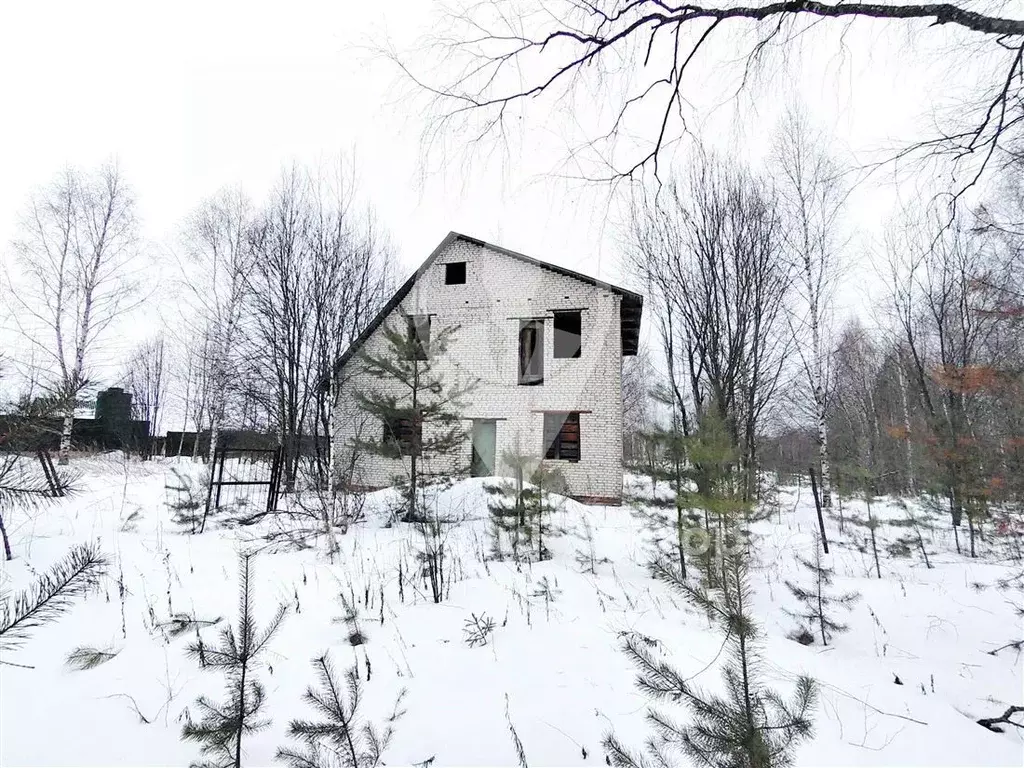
(190, 97)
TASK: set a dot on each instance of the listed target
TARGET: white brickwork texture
(500, 291)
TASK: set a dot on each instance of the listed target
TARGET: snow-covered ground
(553, 656)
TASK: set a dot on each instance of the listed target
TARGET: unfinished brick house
(545, 344)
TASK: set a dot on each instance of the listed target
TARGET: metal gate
(244, 476)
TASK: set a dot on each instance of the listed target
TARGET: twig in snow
(1016, 645)
(992, 723)
(520, 752)
(135, 705)
(872, 707)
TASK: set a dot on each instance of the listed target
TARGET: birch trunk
(65, 433)
(906, 428)
(820, 412)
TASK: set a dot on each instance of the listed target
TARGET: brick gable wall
(499, 290)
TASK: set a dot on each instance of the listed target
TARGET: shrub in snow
(350, 616)
(223, 725)
(547, 591)
(434, 556)
(817, 600)
(51, 595)
(338, 739)
(915, 537)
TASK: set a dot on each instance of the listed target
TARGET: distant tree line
(742, 270)
(258, 302)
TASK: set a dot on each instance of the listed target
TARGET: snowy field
(552, 666)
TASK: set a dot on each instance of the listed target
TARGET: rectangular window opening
(419, 336)
(568, 334)
(403, 434)
(531, 352)
(455, 273)
(562, 436)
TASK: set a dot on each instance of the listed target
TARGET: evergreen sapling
(751, 725)
(338, 739)
(817, 600)
(419, 408)
(222, 727)
(507, 504)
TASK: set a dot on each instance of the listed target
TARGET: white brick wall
(499, 291)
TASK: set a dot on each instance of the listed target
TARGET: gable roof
(631, 307)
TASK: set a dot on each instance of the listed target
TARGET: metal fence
(246, 480)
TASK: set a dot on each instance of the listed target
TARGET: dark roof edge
(634, 299)
(546, 265)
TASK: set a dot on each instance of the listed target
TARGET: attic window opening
(455, 273)
(562, 436)
(531, 352)
(568, 334)
(418, 334)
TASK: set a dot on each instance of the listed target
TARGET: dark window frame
(531, 358)
(563, 443)
(567, 342)
(404, 433)
(454, 270)
(419, 342)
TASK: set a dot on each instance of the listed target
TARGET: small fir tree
(222, 727)
(522, 510)
(548, 482)
(507, 504)
(817, 600)
(419, 407)
(863, 482)
(751, 725)
(718, 494)
(338, 738)
(917, 524)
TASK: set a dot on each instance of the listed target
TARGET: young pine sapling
(223, 725)
(419, 407)
(751, 724)
(338, 739)
(818, 602)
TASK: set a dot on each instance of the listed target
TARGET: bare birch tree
(77, 250)
(145, 381)
(322, 269)
(811, 202)
(713, 246)
(351, 279)
(219, 262)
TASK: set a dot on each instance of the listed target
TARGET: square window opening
(403, 434)
(562, 436)
(455, 273)
(568, 334)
